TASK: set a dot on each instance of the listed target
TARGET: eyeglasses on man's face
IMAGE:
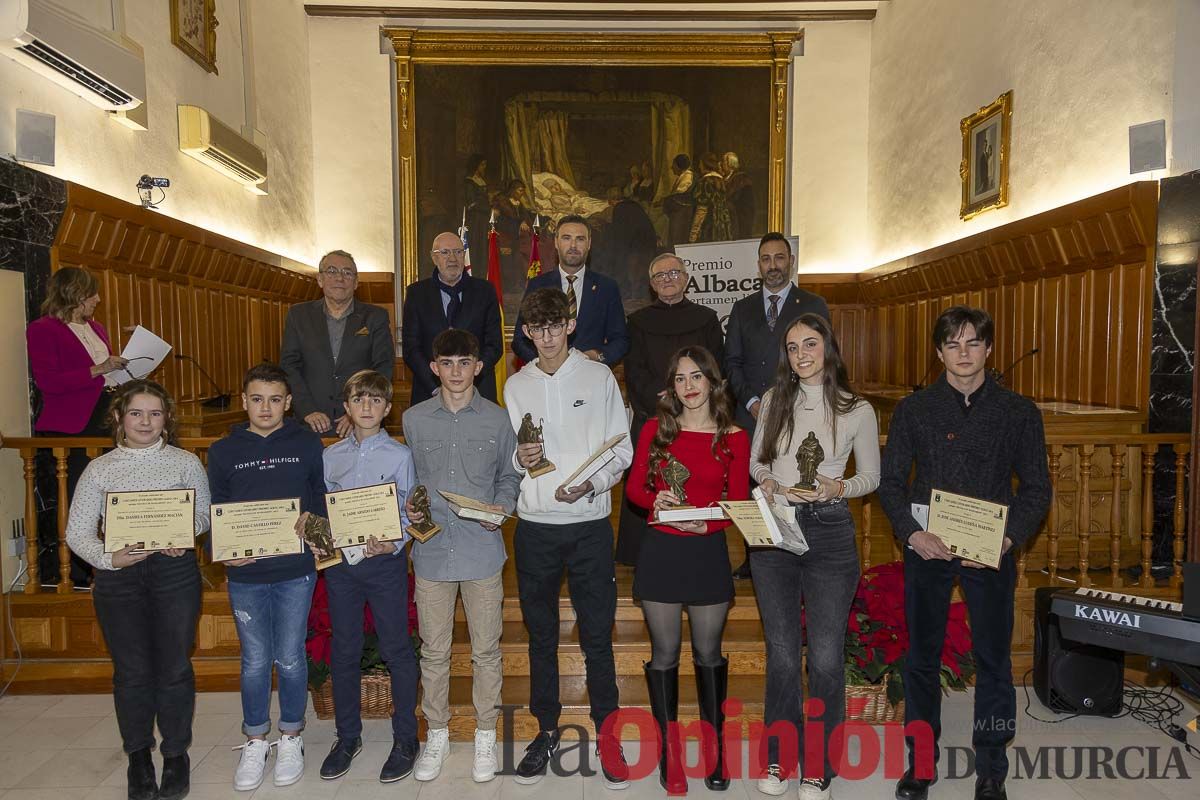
(546, 331)
(446, 252)
(334, 272)
(668, 275)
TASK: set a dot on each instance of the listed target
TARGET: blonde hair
(69, 287)
(124, 396)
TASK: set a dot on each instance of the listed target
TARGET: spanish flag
(493, 276)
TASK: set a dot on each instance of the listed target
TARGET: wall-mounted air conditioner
(213, 143)
(83, 59)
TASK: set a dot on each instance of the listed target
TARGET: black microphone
(222, 399)
(916, 387)
(1000, 376)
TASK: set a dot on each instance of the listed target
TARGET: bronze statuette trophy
(532, 434)
(675, 475)
(424, 530)
(320, 539)
(808, 457)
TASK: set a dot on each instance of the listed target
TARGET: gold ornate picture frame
(465, 47)
(986, 140)
(194, 30)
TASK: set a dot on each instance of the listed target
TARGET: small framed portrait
(194, 30)
(986, 135)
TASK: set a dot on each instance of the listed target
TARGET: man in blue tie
(450, 298)
(594, 300)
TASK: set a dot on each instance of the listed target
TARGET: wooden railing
(1103, 489)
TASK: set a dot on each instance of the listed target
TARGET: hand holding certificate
(578, 484)
(255, 529)
(491, 516)
(971, 529)
(355, 515)
(161, 519)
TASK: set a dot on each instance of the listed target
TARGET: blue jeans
(823, 581)
(272, 623)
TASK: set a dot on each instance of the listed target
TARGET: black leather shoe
(337, 763)
(912, 788)
(177, 777)
(537, 757)
(990, 789)
(742, 573)
(142, 783)
(399, 764)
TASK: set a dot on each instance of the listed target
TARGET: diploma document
(355, 515)
(152, 520)
(255, 529)
(973, 529)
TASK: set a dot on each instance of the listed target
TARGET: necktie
(571, 302)
(773, 311)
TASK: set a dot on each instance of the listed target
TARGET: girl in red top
(686, 564)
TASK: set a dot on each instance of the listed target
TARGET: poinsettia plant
(877, 639)
(319, 644)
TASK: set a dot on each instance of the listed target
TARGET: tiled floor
(68, 746)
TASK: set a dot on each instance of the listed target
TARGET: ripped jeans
(272, 623)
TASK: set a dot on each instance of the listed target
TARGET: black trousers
(585, 550)
(47, 485)
(989, 596)
(148, 614)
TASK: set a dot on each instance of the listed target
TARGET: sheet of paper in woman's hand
(144, 352)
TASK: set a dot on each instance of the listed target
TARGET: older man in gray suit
(327, 340)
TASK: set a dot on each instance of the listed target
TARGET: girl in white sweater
(147, 603)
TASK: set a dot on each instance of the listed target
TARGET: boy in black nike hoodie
(271, 457)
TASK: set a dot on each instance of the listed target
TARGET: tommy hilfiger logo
(578, 403)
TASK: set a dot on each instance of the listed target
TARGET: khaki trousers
(483, 602)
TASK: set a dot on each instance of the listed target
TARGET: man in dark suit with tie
(594, 299)
(755, 325)
(327, 340)
(450, 299)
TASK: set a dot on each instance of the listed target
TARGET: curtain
(518, 151)
(552, 145)
(671, 134)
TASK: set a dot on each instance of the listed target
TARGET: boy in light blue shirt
(374, 574)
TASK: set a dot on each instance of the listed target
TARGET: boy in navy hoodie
(270, 457)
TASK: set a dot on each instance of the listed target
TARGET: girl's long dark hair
(838, 395)
(669, 408)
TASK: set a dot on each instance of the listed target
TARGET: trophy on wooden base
(320, 538)
(674, 475)
(426, 529)
(532, 434)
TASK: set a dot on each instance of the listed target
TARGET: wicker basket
(869, 704)
(376, 697)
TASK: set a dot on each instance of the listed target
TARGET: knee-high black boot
(712, 684)
(663, 685)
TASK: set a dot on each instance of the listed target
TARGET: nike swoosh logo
(578, 403)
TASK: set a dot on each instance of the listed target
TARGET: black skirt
(693, 570)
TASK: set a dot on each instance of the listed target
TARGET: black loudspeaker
(1069, 677)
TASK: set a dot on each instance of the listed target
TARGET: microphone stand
(221, 400)
(1001, 376)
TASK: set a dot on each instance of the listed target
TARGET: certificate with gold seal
(973, 529)
(159, 519)
(355, 515)
(255, 529)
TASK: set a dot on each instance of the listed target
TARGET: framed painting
(194, 30)
(648, 137)
(986, 137)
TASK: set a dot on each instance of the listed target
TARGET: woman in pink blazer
(72, 365)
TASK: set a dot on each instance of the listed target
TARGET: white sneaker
(437, 747)
(485, 766)
(773, 783)
(252, 766)
(289, 759)
(815, 789)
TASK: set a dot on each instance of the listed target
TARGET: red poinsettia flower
(319, 648)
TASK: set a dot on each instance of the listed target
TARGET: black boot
(712, 683)
(140, 776)
(177, 777)
(663, 685)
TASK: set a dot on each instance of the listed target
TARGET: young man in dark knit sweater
(968, 435)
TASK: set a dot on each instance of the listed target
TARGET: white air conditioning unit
(83, 59)
(213, 143)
